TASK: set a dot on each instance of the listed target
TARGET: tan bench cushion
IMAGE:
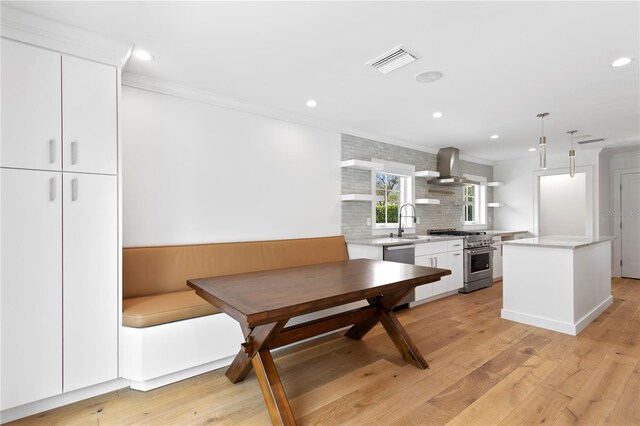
(157, 270)
(146, 311)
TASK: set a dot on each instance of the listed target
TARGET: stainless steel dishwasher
(405, 253)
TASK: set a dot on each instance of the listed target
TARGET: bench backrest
(155, 270)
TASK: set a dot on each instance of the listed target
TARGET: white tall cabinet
(59, 224)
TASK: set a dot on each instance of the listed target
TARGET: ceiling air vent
(392, 60)
(592, 140)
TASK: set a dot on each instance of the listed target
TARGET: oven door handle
(482, 250)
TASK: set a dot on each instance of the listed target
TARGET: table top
(262, 297)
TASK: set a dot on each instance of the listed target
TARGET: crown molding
(478, 160)
(32, 29)
(169, 88)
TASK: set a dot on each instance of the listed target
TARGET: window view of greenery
(470, 194)
(387, 186)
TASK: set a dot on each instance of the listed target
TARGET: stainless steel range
(478, 258)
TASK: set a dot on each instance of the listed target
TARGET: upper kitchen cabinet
(89, 120)
(58, 112)
(31, 112)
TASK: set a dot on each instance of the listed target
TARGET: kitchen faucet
(400, 230)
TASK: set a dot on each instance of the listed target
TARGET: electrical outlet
(418, 220)
(368, 221)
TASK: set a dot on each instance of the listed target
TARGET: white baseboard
(157, 382)
(554, 325)
(586, 320)
(549, 324)
(25, 410)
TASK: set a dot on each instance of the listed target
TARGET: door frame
(588, 219)
(617, 205)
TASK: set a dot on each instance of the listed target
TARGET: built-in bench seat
(146, 311)
(169, 333)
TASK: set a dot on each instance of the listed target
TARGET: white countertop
(498, 232)
(558, 241)
(410, 239)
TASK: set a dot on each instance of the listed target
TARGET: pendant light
(572, 156)
(543, 143)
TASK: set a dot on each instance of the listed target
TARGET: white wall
(562, 205)
(517, 192)
(604, 188)
(197, 173)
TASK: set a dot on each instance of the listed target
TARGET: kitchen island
(558, 283)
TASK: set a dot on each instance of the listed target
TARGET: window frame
(480, 203)
(407, 194)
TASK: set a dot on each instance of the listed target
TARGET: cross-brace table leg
(392, 326)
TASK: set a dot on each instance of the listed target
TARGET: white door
(89, 118)
(90, 265)
(31, 286)
(455, 263)
(563, 205)
(630, 221)
(441, 260)
(30, 107)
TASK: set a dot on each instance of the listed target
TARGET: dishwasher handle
(403, 247)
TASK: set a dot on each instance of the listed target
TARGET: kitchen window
(475, 201)
(395, 186)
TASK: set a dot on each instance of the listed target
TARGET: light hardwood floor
(483, 371)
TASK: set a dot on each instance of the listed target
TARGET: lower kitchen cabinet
(59, 291)
(455, 281)
(436, 254)
(497, 258)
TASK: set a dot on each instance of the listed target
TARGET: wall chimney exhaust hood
(449, 169)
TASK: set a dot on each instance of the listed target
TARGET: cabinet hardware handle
(456, 254)
(52, 151)
(74, 189)
(52, 189)
(74, 152)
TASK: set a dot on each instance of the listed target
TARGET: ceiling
(503, 63)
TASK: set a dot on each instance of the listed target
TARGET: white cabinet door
(30, 107)
(455, 262)
(441, 260)
(89, 118)
(497, 258)
(426, 290)
(90, 265)
(31, 289)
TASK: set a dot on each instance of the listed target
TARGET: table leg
(392, 326)
(259, 337)
(272, 390)
(401, 339)
(387, 302)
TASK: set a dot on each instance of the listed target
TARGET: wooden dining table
(263, 302)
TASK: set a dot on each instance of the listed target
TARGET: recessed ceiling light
(533, 149)
(494, 136)
(428, 76)
(143, 55)
(438, 114)
(620, 62)
(311, 103)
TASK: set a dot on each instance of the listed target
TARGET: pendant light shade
(572, 156)
(543, 143)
